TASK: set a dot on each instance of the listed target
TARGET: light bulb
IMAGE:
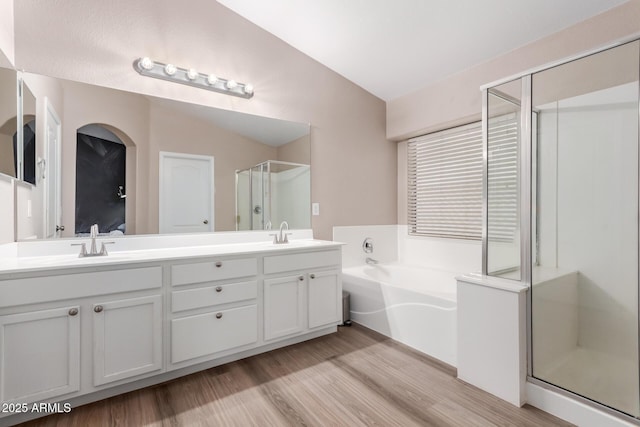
(146, 63)
(192, 74)
(248, 88)
(231, 84)
(212, 79)
(170, 69)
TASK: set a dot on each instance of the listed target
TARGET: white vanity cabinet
(97, 328)
(39, 354)
(214, 308)
(302, 291)
(56, 329)
(127, 338)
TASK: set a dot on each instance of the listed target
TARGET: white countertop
(24, 264)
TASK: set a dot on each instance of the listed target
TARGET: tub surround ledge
(492, 350)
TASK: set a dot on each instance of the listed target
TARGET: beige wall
(295, 151)
(457, 99)
(354, 166)
(7, 210)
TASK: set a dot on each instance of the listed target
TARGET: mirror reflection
(28, 135)
(8, 122)
(136, 164)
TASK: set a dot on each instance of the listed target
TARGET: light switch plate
(315, 209)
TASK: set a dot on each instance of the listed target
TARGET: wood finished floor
(355, 377)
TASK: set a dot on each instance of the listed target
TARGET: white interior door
(186, 193)
(53, 210)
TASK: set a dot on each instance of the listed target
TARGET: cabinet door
(283, 306)
(325, 298)
(127, 338)
(39, 354)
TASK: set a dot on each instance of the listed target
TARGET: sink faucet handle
(275, 237)
(103, 248)
(83, 249)
(286, 237)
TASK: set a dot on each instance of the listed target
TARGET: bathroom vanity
(75, 330)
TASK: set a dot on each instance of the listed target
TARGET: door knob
(73, 311)
(98, 308)
(206, 221)
(59, 227)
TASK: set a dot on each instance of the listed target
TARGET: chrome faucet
(94, 235)
(93, 251)
(281, 237)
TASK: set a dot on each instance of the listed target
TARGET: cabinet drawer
(205, 334)
(301, 261)
(213, 295)
(70, 286)
(184, 274)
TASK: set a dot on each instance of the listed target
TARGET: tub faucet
(371, 261)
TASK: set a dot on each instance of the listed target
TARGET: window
(445, 183)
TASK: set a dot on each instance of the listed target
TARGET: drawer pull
(301, 278)
(219, 264)
(218, 315)
(313, 276)
(98, 308)
(219, 289)
(73, 312)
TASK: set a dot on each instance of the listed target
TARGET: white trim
(51, 112)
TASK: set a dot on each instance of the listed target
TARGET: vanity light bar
(191, 77)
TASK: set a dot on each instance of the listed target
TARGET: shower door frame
(527, 205)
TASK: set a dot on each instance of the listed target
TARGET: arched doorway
(101, 159)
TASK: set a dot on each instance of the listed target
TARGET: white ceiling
(394, 47)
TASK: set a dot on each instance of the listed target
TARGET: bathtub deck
(355, 377)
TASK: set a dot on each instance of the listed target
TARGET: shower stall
(561, 216)
(271, 192)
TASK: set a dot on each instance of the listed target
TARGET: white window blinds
(445, 183)
(502, 178)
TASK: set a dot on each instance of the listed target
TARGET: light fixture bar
(191, 77)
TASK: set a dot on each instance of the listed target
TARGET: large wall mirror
(17, 128)
(136, 164)
(8, 123)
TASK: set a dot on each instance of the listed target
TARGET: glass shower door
(584, 295)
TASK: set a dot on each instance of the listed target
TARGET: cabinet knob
(73, 311)
(219, 264)
(218, 315)
(98, 308)
(301, 278)
(313, 276)
(219, 289)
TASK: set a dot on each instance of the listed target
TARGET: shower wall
(588, 148)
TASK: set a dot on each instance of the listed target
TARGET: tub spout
(371, 261)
